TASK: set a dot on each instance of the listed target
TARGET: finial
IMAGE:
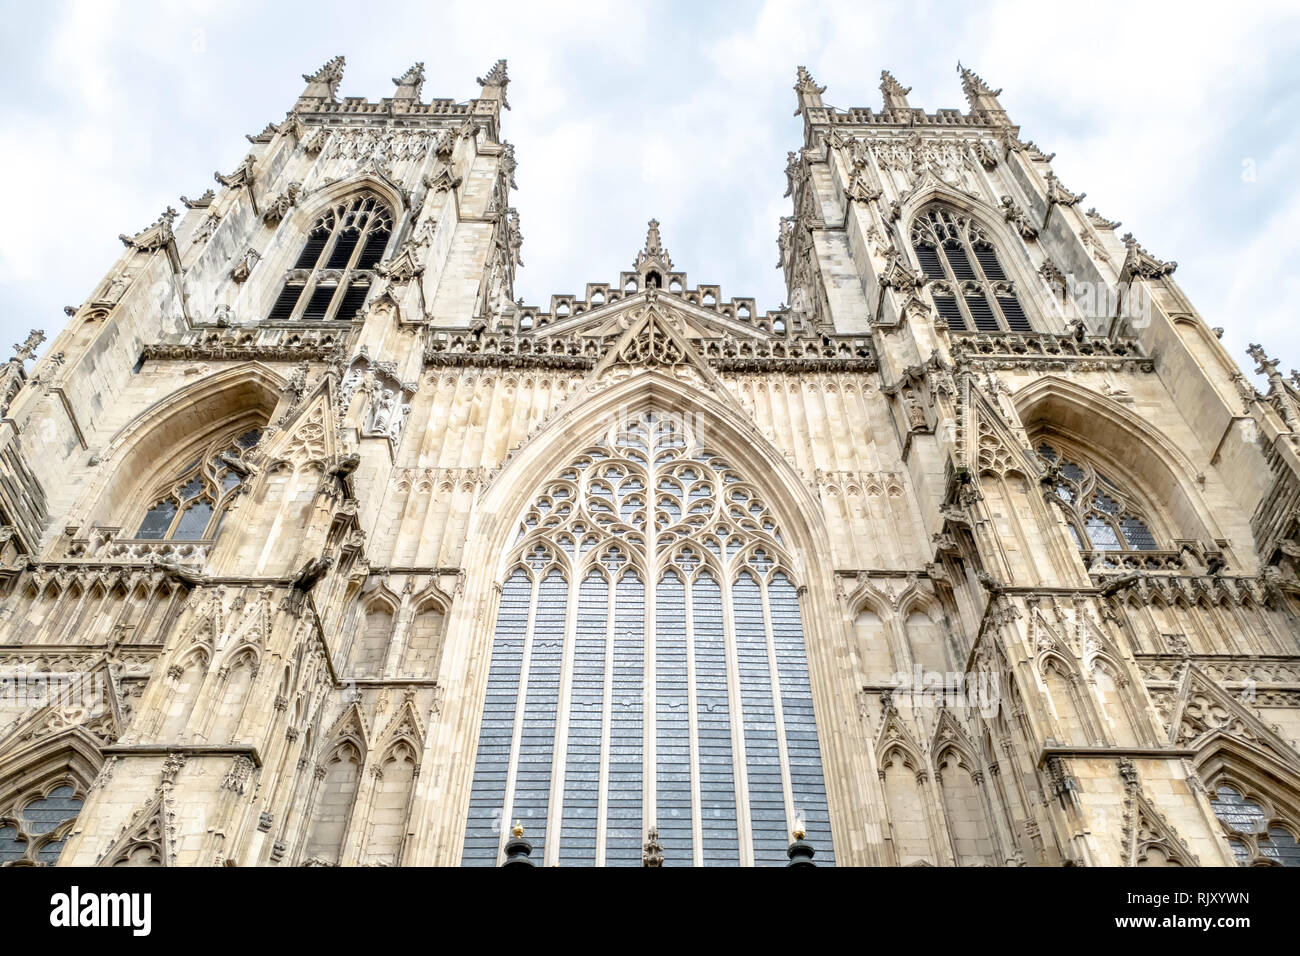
(973, 84)
(654, 253)
(332, 70)
(1267, 366)
(895, 93)
(890, 85)
(496, 78)
(804, 82)
(518, 850)
(27, 350)
(800, 852)
(410, 82)
(983, 100)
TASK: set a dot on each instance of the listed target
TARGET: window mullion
(564, 706)
(957, 293)
(693, 724)
(606, 720)
(313, 280)
(739, 766)
(649, 722)
(778, 710)
(516, 736)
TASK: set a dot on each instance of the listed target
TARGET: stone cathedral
(319, 547)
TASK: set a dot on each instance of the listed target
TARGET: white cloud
(681, 111)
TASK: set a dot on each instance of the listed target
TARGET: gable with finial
(1204, 712)
(986, 442)
(654, 342)
(309, 428)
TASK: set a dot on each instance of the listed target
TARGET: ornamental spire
(27, 350)
(894, 92)
(983, 100)
(654, 254)
(410, 83)
(495, 83)
(324, 83)
(806, 88)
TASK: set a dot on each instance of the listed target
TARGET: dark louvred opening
(982, 313)
(284, 305)
(1016, 319)
(373, 251)
(961, 267)
(342, 253)
(312, 250)
(988, 260)
(947, 306)
(319, 303)
(353, 300)
(929, 258)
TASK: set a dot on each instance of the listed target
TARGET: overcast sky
(1180, 122)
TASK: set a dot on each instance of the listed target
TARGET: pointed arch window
(1102, 515)
(969, 287)
(335, 269)
(34, 826)
(191, 507)
(1259, 834)
(649, 670)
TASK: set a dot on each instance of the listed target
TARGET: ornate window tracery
(334, 271)
(1102, 515)
(1257, 832)
(969, 287)
(34, 827)
(191, 507)
(648, 669)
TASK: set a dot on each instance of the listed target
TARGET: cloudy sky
(1179, 122)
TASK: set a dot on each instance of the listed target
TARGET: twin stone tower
(317, 547)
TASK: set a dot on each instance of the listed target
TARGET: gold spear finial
(518, 830)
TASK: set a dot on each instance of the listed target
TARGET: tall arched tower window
(649, 669)
(1102, 515)
(969, 287)
(334, 271)
(192, 504)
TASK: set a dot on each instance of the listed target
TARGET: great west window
(648, 669)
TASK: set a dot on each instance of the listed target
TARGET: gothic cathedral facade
(320, 548)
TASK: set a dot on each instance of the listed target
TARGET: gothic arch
(292, 233)
(1258, 778)
(54, 770)
(1015, 258)
(1053, 664)
(579, 420)
(163, 437)
(372, 635)
(1160, 470)
(375, 181)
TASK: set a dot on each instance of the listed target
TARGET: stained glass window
(684, 707)
(190, 508)
(1101, 515)
(1258, 834)
(38, 824)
